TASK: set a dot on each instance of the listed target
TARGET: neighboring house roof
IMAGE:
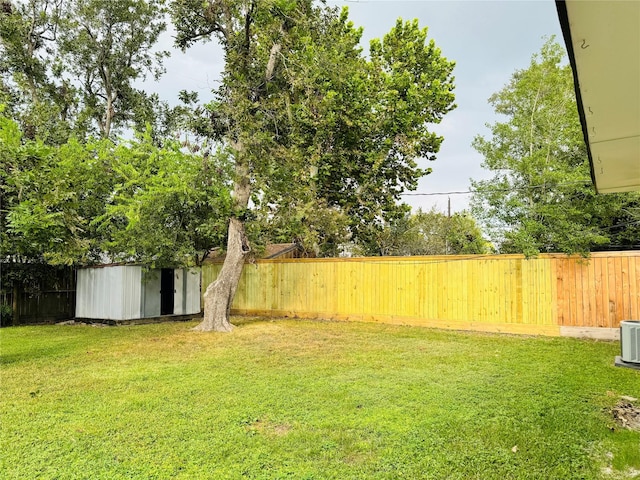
(603, 43)
(280, 250)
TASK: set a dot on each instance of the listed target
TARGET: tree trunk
(220, 293)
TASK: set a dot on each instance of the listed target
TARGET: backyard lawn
(309, 400)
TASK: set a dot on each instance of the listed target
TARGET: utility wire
(529, 187)
(466, 192)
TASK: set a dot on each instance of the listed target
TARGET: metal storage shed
(127, 292)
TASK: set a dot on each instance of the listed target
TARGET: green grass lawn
(304, 399)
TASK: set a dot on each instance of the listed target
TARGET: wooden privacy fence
(47, 295)
(547, 295)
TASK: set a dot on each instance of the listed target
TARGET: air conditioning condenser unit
(629, 344)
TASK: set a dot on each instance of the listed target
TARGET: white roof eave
(603, 41)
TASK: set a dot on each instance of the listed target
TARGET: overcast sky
(488, 40)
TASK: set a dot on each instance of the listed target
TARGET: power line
(467, 192)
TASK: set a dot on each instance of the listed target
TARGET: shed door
(167, 291)
(151, 286)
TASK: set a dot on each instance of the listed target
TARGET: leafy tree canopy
(331, 128)
(69, 66)
(81, 203)
(541, 198)
(429, 233)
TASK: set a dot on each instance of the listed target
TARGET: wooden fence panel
(51, 299)
(598, 292)
(495, 293)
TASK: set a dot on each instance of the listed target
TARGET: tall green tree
(308, 121)
(169, 207)
(105, 46)
(30, 87)
(49, 195)
(540, 198)
(70, 66)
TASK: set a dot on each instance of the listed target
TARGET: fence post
(15, 305)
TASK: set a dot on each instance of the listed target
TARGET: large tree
(34, 95)
(106, 45)
(308, 121)
(540, 198)
(70, 66)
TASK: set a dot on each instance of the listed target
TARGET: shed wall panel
(192, 294)
(109, 293)
(83, 283)
(131, 292)
(98, 293)
(110, 282)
